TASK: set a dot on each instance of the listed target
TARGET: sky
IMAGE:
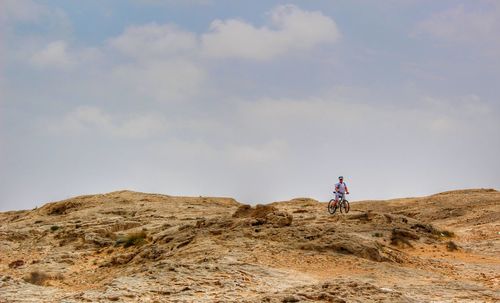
(257, 100)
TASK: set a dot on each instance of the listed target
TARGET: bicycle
(341, 204)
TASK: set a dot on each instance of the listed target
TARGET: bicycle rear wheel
(332, 208)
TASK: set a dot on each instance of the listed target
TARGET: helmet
(341, 177)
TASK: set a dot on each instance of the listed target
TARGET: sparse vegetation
(132, 239)
(290, 299)
(16, 264)
(447, 234)
(61, 208)
(54, 228)
(41, 278)
(429, 228)
(403, 236)
(377, 235)
(451, 246)
(37, 278)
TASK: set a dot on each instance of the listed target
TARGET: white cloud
(471, 105)
(165, 81)
(55, 55)
(477, 28)
(292, 29)
(461, 114)
(247, 154)
(174, 2)
(21, 10)
(283, 113)
(152, 41)
(433, 116)
(93, 120)
(165, 63)
(145, 125)
(51, 21)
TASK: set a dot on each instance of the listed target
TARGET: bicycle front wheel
(332, 208)
(346, 206)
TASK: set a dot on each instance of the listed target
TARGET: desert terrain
(136, 247)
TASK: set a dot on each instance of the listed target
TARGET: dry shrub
(16, 264)
(425, 228)
(451, 246)
(403, 236)
(63, 207)
(447, 233)
(37, 278)
(132, 239)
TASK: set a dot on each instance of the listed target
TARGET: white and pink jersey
(341, 187)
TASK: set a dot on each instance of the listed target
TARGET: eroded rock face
(279, 219)
(257, 212)
(134, 247)
(264, 214)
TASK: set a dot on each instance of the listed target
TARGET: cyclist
(340, 189)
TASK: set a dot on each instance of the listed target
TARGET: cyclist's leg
(337, 197)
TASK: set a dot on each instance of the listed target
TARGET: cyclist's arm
(346, 190)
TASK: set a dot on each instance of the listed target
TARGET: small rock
(290, 299)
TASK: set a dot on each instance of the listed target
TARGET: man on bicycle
(340, 189)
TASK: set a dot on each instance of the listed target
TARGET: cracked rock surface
(135, 247)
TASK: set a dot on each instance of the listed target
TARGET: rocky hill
(135, 247)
